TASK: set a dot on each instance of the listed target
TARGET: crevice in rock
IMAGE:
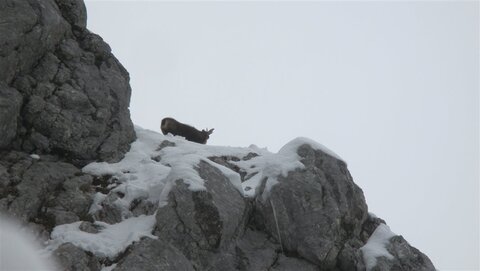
(275, 260)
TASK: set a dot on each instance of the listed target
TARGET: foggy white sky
(392, 87)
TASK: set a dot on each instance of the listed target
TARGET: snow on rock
(138, 174)
(376, 246)
(109, 241)
(270, 166)
(148, 172)
(96, 204)
(141, 176)
(293, 145)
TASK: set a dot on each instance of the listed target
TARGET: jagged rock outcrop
(64, 103)
(62, 91)
(27, 183)
(323, 195)
(201, 222)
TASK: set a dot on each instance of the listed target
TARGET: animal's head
(206, 134)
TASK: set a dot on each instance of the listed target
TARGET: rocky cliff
(62, 91)
(71, 174)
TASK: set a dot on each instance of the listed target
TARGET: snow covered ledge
(148, 172)
(272, 165)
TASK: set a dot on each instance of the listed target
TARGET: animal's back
(170, 125)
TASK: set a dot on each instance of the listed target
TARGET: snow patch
(96, 204)
(35, 156)
(111, 240)
(376, 246)
(270, 165)
(293, 146)
(147, 172)
(137, 174)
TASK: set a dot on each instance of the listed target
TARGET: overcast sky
(392, 87)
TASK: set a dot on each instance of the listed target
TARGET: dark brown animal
(174, 127)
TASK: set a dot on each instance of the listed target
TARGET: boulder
(72, 258)
(61, 89)
(313, 211)
(37, 183)
(405, 257)
(202, 223)
(253, 250)
(29, 29)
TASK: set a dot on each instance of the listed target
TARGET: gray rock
(202, 222)
(405, 257)
(43, 193)
(4, 182)
(72, 258)
(350, 257)
(165, 144)
(226, 162)
(74, 11)
(314, 211)
(10, 104)
(58, 216)
(284, 263)
(38, 182)
(88, 227)
(150, 254)
(143, 207)
(255, 251)
(252, 251)
(75, 92)
(110, 212)
(29, 29)
(75, 195)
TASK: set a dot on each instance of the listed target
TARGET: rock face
(71, 257)
(202, 222)
(62, 91)
(322, 195)
(65, 97)
(151, 255)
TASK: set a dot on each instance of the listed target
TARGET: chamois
(170, 125)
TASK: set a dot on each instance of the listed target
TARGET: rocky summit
(101, 194)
